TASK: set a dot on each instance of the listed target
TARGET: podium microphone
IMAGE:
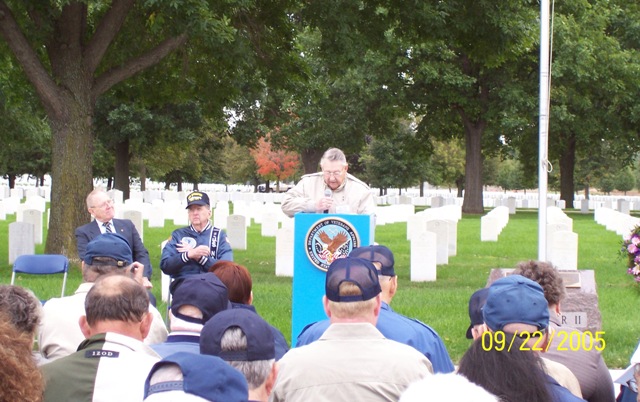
(327, 193)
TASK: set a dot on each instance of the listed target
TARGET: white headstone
(17, 193)
(34, 217)
(237, 231)
(437, 201)
(3, 211)
(584, 206)
(511, 204)
(269, 224)
(156, 214)
(116, 196)
(135, 217)
(423, 257)
(284, 252)
(220, 214)
(20, 240)
(564, 250)
(452, 227)
(441, 229)
(489, 228)
(36, 202)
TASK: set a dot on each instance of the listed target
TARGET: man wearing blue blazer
(100, 206)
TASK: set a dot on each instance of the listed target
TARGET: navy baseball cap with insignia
(111, 245)
(357, 271)
(205, 376)
(260, 342)
(515, 299)
(476, 302)
(204, 291)
(379, 254)
(197, 198)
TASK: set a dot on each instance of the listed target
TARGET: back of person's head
(236, 278)
(106, 254)
(244, 340)
(442, 387)
(189, 377)
(351, 287)
(546, 275)
(21, 378)
(509, 372)
(21, 307)
(205, 293)
(116, 298)
(333, 155)
(515, 299)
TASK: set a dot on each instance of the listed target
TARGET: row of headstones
(492, 223)
(20, 192)
(616, 221)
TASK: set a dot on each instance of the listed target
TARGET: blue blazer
(125, 228)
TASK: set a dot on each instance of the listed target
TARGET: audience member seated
(113, 362)
(510, 372)
(392, 325)
(478, 327)
(59, 334)
(238, 281)
(192, 305)
(21, 379)
(243, 339)
(352, 361)
(516, 305)
(587, 365)
(187, 377)
(446, 388)
(24, 311)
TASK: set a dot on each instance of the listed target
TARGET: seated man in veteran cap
(392, 325)
(517, 305)
(244, 340)
(188, 377)
(195, 248)
(198, 299)
(59, 334)
(113, 362)
(352, 361)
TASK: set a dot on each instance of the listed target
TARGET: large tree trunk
(143, 178)
(567, 166)
(71, 174)
(122, 168)
(311, 160)
(472, 202)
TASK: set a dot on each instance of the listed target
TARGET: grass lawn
(441, 304)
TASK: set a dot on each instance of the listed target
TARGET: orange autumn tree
(273, 164)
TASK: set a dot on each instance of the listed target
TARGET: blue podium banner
(318, 240)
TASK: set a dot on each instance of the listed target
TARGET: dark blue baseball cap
(208, 377)
(260, 342)
(204, 291)
(197, 198)
(111, 245)
(376, 253)
(515, 299)
(357, 271)
(476, 302)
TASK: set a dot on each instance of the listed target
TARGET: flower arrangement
(631, 249)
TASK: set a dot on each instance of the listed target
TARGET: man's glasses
(336, 173)
(104, 205)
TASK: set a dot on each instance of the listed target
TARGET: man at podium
(332, 190)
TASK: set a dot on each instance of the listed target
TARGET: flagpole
(543, 130)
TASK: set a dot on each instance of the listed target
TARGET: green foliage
(624, 180)
(510, 176)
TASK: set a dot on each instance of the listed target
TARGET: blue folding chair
(42, 264)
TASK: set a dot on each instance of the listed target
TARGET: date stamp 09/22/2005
(568, 340)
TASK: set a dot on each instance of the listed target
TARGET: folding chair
(42, 264)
